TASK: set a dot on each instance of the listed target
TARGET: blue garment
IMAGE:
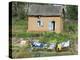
(37, 44)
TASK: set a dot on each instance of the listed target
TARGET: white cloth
(65, 44)
(37, 43)
(52, 46)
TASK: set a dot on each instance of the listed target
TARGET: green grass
(19, 26)
(21, 52)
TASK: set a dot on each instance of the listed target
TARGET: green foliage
(72, 12)
(18, 9)
(48, 37)
(43, 39)
(63, 37)
(71, 26)
(54, 38)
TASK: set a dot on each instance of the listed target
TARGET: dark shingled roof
(44, 10)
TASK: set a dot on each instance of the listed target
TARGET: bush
(70, 26)
(53, 40)
(49, 34)
(54, 37)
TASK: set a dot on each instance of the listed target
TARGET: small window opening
(39, 22)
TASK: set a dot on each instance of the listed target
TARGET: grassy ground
(19, 28)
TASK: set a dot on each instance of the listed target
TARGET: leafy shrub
(43, 39)
(52, 40)
(70, 26)
(49, 34)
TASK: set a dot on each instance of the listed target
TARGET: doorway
(51, 26)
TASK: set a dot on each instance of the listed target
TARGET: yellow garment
(59, 46)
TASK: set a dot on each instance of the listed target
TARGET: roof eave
(44, 15)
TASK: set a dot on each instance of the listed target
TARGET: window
(40, 23)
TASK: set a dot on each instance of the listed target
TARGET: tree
(72, 12)
(19, 9)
